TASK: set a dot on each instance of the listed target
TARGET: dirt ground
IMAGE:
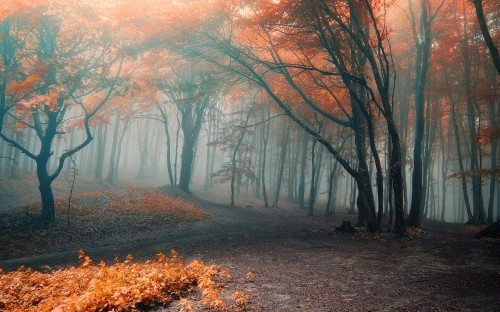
(287, 261)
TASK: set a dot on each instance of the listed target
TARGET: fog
(376, 122)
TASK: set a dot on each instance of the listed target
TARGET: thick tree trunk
(186, 162)
(48, 203)
(44, 179)
(365, 201)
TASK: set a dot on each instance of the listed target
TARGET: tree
(49, 75)
(422, 40)
(239, 168)
(338, 34)
(191, 90)
(483, 24)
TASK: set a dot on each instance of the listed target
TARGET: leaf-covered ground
(93, 218)
(121, 286)
(286, 261)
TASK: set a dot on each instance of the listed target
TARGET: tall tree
(55, 75)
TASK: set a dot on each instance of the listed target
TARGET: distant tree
(192, 90)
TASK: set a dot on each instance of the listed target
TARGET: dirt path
(228, 226)
(297, 266)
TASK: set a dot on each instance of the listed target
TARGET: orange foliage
(123, 286)
(161, 203)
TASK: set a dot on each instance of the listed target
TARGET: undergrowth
(122, 286)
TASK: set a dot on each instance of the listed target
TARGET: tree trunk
(143, 151)
(44, 180)
(264, 159)
(423, 44)
(281, 165)
(444, 169)
(235, 153)
(330, 204)
(460, 160)
(312, 189)
(260, 157)
(16, 159)
(493, 166)
(207, 159)
(111, 170)
(186, 162)
(100, 152)
(304, 139)
(169, 150)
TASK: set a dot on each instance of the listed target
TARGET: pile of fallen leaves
(123, 286)
(137, 199)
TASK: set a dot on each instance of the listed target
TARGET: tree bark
(423, 41)
(483, 25)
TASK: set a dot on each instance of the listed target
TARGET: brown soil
(287, 261)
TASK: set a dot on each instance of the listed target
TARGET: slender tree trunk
(292, 170)
(119, 150)
(460, 160)
(111, 168)
(26, 159)
(279, 178)
(176, 156)
(304, 139)
(207, 164)
(143, 151)
(100, 152)
(169, 149)
(233, 157)
(330, 204)
(16, 159)
(493, 114)
(264, 158)
(260, 158)
(312, 190)
(444, 169)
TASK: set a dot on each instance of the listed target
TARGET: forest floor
(283, 259)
